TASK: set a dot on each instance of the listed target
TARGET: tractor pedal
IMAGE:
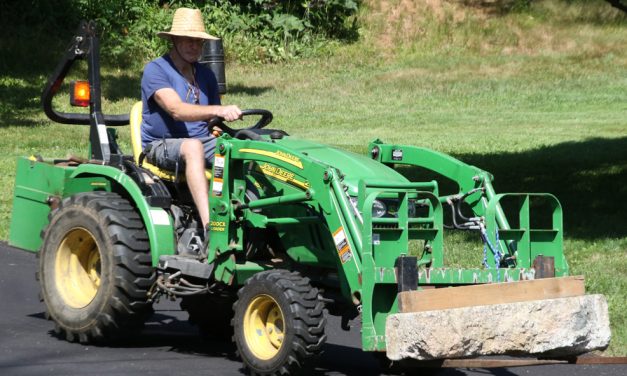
(190, 267)
(190, 243)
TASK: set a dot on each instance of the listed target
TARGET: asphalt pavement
(169, 345)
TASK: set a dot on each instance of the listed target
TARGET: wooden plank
(497, 363)
(493, 293)
(478, 363)
(511, 362)
(599, 360)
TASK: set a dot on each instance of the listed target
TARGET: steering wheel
(243, 133)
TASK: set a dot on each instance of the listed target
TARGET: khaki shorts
(166, 153)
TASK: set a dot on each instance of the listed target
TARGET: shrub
(253, 30)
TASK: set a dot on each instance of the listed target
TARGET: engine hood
(354, 166)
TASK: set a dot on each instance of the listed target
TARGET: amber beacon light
(79, 93)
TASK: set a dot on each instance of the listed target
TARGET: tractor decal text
(341, 243)
(283, 175)
(217, 226)
(290, 157)
(285, 157)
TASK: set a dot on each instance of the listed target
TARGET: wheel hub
(77, 268)
(264, 327)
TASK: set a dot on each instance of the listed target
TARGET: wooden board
(493, 293)
(509, 362)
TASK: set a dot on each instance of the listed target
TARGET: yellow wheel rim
(264, 327)
(77, 268)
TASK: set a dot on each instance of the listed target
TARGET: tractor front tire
(278, 323)
(95, 268)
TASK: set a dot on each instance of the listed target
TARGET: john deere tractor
(298, 230)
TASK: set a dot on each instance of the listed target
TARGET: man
(179, 96)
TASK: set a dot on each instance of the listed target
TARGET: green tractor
(297, 228)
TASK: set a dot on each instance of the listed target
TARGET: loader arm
(467, 177)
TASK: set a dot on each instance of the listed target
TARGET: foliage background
(254, 30)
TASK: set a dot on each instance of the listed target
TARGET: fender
(157, 221)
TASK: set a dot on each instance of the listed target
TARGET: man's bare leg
(194, 155)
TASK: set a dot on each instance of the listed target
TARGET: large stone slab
(553, 327)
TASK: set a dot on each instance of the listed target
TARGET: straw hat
(187, 23)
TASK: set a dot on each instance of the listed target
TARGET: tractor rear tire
(278, 324)
(95, 268)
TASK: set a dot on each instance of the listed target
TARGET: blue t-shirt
(156, 122)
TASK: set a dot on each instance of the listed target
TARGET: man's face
(189, 48)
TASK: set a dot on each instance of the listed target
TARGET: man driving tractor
(179, 95)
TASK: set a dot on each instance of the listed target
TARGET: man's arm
(170, 101)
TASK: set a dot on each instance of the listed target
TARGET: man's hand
(216, 131)
(230, 113)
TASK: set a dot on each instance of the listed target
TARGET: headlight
(378, 209)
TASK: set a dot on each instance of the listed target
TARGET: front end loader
(297, 229)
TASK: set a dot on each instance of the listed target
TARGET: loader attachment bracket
(406, 273)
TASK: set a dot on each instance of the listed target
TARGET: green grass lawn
(552, 121)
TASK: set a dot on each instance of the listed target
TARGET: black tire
(291, 318)
(211, 314)
(95, 268)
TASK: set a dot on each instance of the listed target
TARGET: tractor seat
(136, 141)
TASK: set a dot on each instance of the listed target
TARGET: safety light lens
(79, 93)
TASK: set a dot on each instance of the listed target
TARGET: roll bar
(84, 45)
